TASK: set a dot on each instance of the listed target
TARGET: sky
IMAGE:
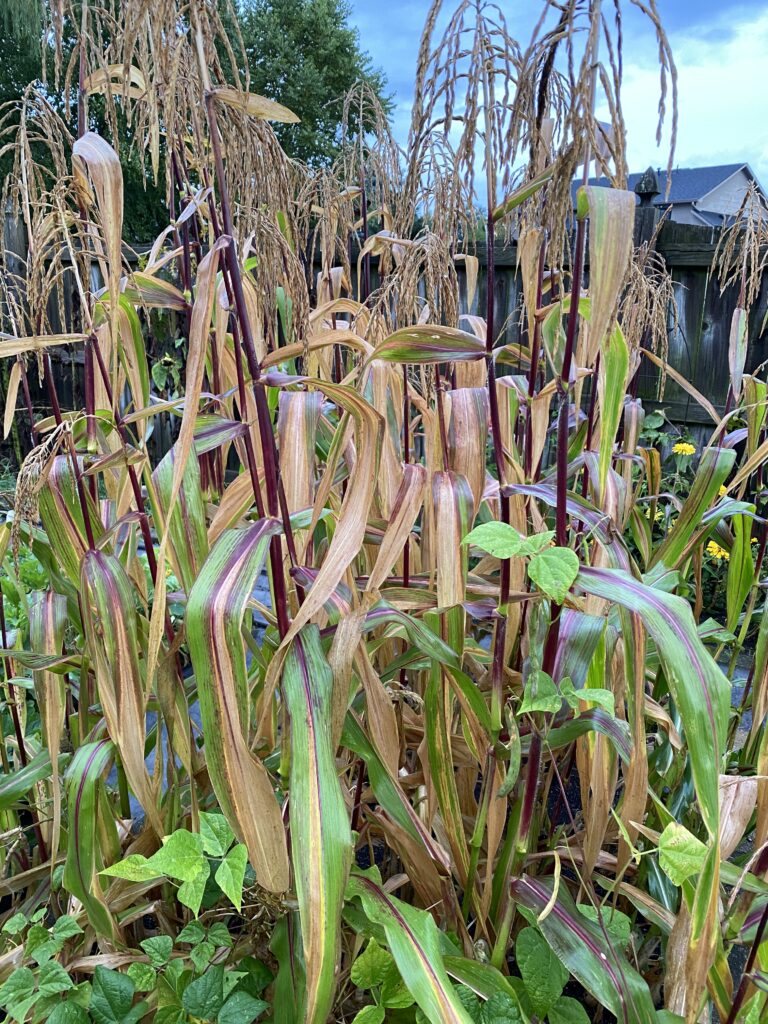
(721, 53)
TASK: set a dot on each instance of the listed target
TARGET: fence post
(647, 214)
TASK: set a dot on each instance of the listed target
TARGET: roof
(688, 184)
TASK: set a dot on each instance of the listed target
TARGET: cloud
(720, 51)
(722, 110)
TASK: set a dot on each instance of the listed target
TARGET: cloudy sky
(721, 52)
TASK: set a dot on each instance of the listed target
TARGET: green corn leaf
(430, 343)
(611, 387)
(321, 841)
(215, 614)
(481, 978)
(523, 192)
(84, 860)
(741, 570)
(289, 983)
(582, 949)
(414, 941)
(699, 688)
(16, 785)
(714, 467)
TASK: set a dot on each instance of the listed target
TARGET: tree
(23, 48)
(304, 54)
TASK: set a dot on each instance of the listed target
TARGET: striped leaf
(84, 858)
(611, 221)
(414, 942)
(714, 467)
(582, 947)
(215, 614)
(112, 630)
(430, 343)
(188, 539)
(297, 420)
(47, 622)
(468, 437)
(62, 517)
(700, 690)
(321, 841)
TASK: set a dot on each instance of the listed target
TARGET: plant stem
(269, 452)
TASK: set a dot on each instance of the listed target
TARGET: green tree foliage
(300, 52)
(23, 51)
(304, 54)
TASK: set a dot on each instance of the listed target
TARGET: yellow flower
(659, 515)
(716, 552)
(683, 448)
(723, 491)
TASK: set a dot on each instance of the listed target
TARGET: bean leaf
(543, 974)
(553, 571)
(503, 541)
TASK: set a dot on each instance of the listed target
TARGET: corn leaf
(698, 687)
(585, 951)
(414, 941)
(215, 614)
(321, 841)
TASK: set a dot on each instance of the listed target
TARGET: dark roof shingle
(687, 183)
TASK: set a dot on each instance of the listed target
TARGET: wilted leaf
(254, 105)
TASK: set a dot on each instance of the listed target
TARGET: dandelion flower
(683, 448)
(716, 552)
(659, 515)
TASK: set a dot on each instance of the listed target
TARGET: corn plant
(472, 752)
